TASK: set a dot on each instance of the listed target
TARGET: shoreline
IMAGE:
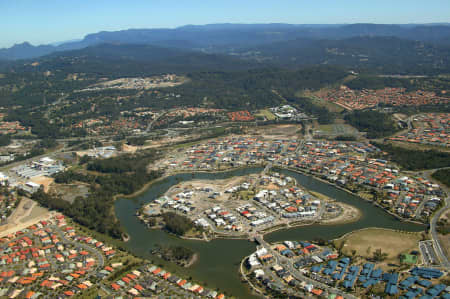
(299, 171)
(350, 192)
(257, 290)
(192, 261)
(348, 214)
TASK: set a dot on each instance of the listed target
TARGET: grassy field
(267, 114)
(338, 129)
(365, 242)
(246, 195)
(326, 128)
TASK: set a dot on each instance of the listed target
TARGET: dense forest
(5, 140)
(437, 84)
(177, 224)
(250, 89)
(377, 82)
(95, 210)
(324, 116)
(374, 123)
(178, 254)
(379, 54)
(415, 159)
(443, 176)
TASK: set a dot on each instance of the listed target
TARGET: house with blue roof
(369, 283)
(287, 253)
(427, 272)
(412, 293)
(331, 267)
(446, 296)
(376, 273)
(349, 281)
(436, 290)
(316, 269)
(408, 282)
(424, 283)
(391, 284)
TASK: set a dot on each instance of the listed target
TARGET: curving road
(433, 221)
(288, 263)
(100, 258)
(444, 261)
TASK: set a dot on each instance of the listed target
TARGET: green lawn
(267, 114)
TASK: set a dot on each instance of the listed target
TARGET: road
(288, 263)
(150, 125)
(434, 234)
(433, 221)
(100, 258)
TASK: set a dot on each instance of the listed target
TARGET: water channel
(217, 266)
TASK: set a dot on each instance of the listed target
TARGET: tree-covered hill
(225, 38)
(390, 55)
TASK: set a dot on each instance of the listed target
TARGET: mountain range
(228, 38)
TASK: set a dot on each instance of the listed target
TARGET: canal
(218, 263)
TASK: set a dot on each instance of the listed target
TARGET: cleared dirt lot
(365, 242)
(277, 131)
(43, 180)
(28, 212)
(71, 191)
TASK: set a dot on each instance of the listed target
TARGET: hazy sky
(46, 21)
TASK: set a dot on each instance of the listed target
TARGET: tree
(379, 255)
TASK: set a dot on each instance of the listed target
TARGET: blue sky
(46, 21)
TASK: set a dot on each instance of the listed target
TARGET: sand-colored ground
(27, 213)
(170, 140)
(129, 148)
(43, 180)
(272, 186)
(35, 212)
(400, 116)
(216, 185)
(350, 214)
(277, 131)
(366, 241)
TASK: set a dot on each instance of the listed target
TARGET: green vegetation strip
(125, 175)
(375, 123)
(415, 159)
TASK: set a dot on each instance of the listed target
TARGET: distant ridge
(222, 38)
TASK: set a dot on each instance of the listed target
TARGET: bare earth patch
(350, 214)
(27, 213)
(277, 131)
(129, 148)
(43, 180)
(366, 241)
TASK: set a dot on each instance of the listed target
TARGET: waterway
(218, 263)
